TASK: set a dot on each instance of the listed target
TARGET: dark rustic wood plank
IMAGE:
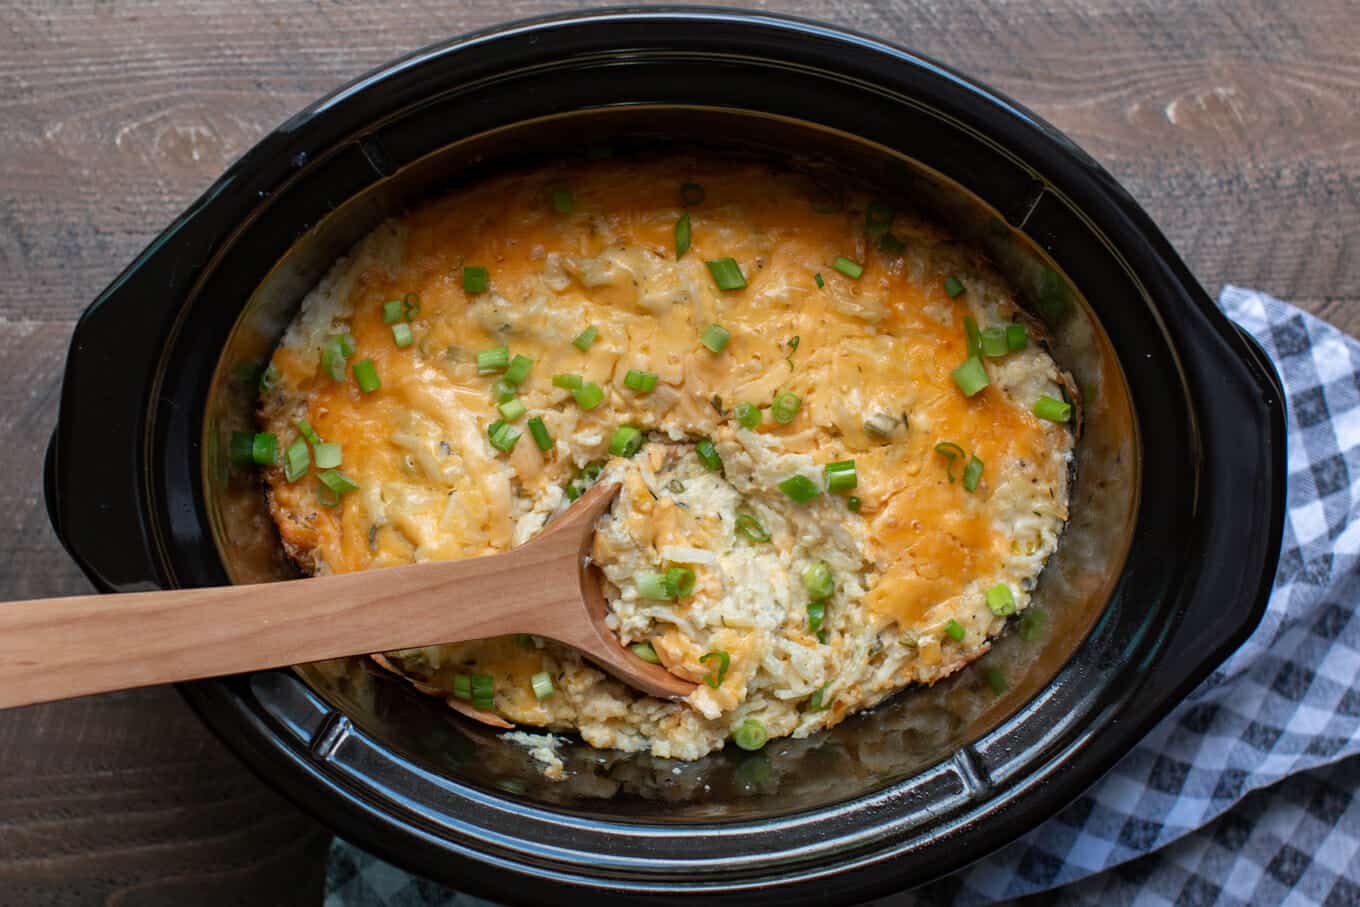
(1230, 120)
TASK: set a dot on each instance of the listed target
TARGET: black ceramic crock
(1176, 517)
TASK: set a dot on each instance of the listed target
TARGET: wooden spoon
(55, 648)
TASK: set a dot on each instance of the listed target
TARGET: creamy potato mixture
(843, 450)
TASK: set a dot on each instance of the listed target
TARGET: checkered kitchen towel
(1247, 792)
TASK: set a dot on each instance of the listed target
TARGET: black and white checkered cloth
(1247, 792)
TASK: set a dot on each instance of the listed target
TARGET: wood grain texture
(1231, 121)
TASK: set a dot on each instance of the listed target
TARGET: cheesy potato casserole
(843, 450)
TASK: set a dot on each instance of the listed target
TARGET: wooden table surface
(1232, 122)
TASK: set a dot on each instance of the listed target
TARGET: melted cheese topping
(432, 487)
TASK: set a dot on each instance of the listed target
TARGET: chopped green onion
(402, 336)
(328, 456)
(502, 391)
(950, 451)
(750, 735)
(241, 448)
(821, 284)
(818, 700)
(715, 679)
(751, 527)
(305, 428)
(708, 455)
(333, 358)
(656, 586)
(587, 337)
(642, 382)
(681, 581)
(972, 337)
(878, 217)
(955, 630)
(561, 201)
(347, 345)
(410, 306)
(296, 459)
(1017, 337)
(518, 370)
(800, 489)
(852, 504)
(818, 580)
(483, 691)
(682, 236)
(496, 359)
(953, 287)
(1052, 410)
(691, 194)
(366, 374)
(512, 409)
(502, 436)
(785, 406)
(850, 268)
(462, 686)
(727, 274)
(645, 651)
(891, 244)
(542, 681)
(1052, 299)
(1001, 600)
(567, 382)
(524, 640)
(627, 441)
(264, 450)
(337, 481)
(269, 378)
(476, 279)
(816, 612)
(841, 476)
(589, 395)
(748, 415)
(971, 474)
(715, 337)
(393, 311)
(994, 344)
(540, 434)
(794, 341)
(971, 377)
(1032, 623)
(995, 679)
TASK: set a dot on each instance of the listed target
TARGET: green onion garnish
(971, 377)
(816, 612)
(727, 274)
(539, 431)
(691, 194)
(955, 630)
(708, 455)
(518, 370)
(817, 702)
(269, 378)
(841, 476)
(748, 415)
(994, 344)
(333, 358)
(645, 651)
(818, 580)
(347, 345)
(751, 527)
(1032, 623)
(715, 680)
(971, 474)
(410, 306)
(715, 337)
(241, 448)
(587, 337)
(337, 481)
(496, 359)
(483, 691)
(567, 382)
(393, 311)
(305, 429)
(1017, 337)
(800, 489)
(366, 374)
(476, 279)
(681, 581)
(627, 441)
(850, 268)
(656, 586)
(1052, 410)
(502, 436)
(891, 244)
(852, 504)
(682, 236)
(402, 336)
(878, 217)
(821, 284)
(512, 409)
(995, 679)
(950, 451)
(972, 337)
(542, 681)
(296, 459)
(561, 201)
(328, 456)
(502, 391)
(750, 735)
(642, 382)
(953, 287)
(1001, 600)
(462, 686)
(589, 395)
(785, 406)
(264, 450)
